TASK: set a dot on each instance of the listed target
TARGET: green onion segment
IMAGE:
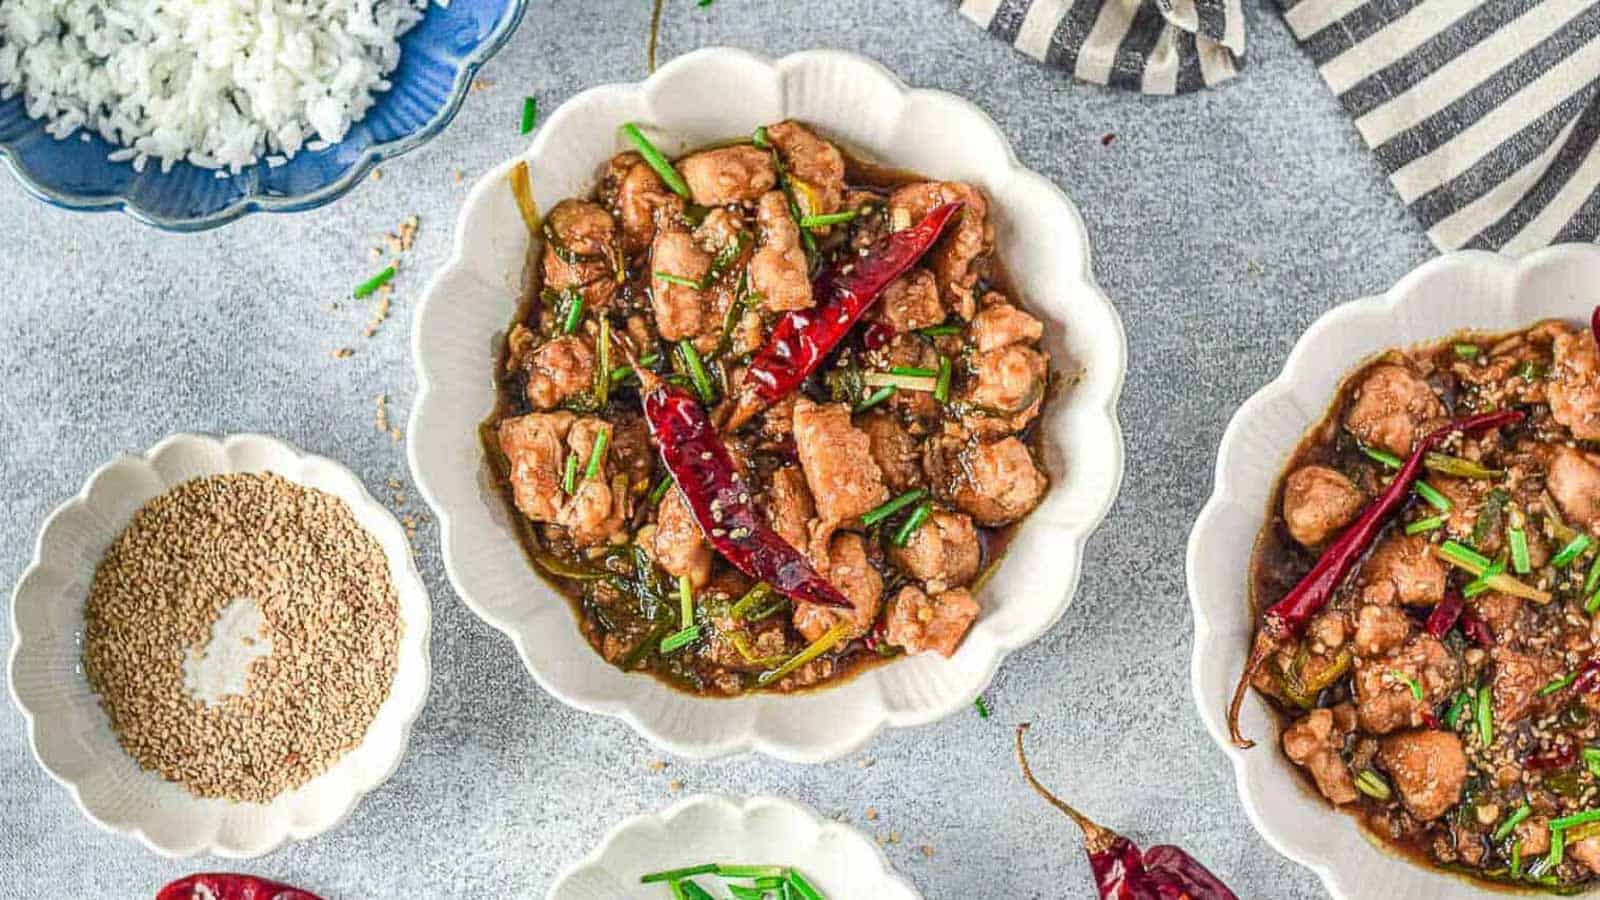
(656, 160)
(366, 288)
(874, 516)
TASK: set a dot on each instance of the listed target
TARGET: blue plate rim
(370, 159)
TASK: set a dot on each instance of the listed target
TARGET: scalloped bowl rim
(815, 748)
(408, 714)
(370, 159)
(745, 809)
(1210, 602)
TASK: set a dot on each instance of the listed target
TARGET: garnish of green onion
(1559, 684)
(983, 708)
(685, 601)
(1486, 716)
(569, 475)
(1482, 583)
(691, 891)
(366, 288)
(597, 454)
(759, 138)
(803, 888)
(1431, 494)
(1388, 459)
(679, 874)
(660, 490)
(939, 330)
(914, 371)
(574, 315)
(1431, 523)
(697, 372)
(1570, 552)
(925, 384)
(826, 219)
(1582, 818)
(1519, 551)
(941, 384)
(876, 397)
(736, 871)
(1591, 759)
(645, 362)
(818, 647)
(1592, 605)
(1464, 558)
(679, 280)
(530, 114)
(740, 892)
(1457, 706)
(752, 598)
(1592, 580)
(1466, 351)
(656, 160)
(677, 640)
(874, 516)
(1516, 861)
(1558, 845)
(1412, 683)
(1455, 552)
(1512, 821)
(1372, 784)
(913, 522)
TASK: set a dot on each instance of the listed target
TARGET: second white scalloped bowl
(713, 95)
(1458, 292)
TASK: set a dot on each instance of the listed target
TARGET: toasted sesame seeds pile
(322, 585)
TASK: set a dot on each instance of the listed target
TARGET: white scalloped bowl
(703, 97)
(70, 733)
(1457, 292)
(838, 860)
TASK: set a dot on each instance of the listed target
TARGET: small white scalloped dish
(70, 733)
(709, 96)
(1471, 291)
(838, 860)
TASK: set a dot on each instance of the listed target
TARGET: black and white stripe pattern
(1485, 113)
(1154, 46)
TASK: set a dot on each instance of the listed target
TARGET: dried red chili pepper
(1121, 870)
(225, 886)
(720, 499)
(877, 335)
(1444, 615)
(1288, 618)
(803, 338)
(1559, 758)
(1477, 630)
(1588, 680)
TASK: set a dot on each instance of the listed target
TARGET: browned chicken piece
(910, 350)
(920, 624)
(789, 507)
(585, 260)
(909, 302)
(1575, 384)
(559, 370)
(968, 238)
(1005, 391)
(944, 552)
(595, 511)
(738, 174)
(1000, 324)
(1517, 680)
(779, 271)
(535, 446)
(893, 449)
(813, 162)
(719, 230)
(1466, 496)
(1403, 569)
(1384, 698)
(1428, 767)
(1574, 480)
(1318, 502)
(776, 422)
(1586, 851)
(680, 309)
(1313, 743)
(676, 543)
(631, 451)
(844, 480)
(1380, 630)
(995, 482)
(1498, 611)
(1328, 631)
(1392, 409)
(860, 583)
(641, 197)
(1534, 833)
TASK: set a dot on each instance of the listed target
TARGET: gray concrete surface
(1223, 223)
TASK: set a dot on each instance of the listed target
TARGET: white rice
(220, 83)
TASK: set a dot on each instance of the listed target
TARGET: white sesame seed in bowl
(187, 602)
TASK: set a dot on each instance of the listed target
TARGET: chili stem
(656, 160)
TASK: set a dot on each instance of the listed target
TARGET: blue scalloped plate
(437, 62)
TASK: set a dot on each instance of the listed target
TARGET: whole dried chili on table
(803, 339)
(1287, 619)
(225, 886)
(1121, 870)
(720, 499)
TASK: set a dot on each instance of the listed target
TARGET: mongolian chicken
(769, 413)
(1430, 587)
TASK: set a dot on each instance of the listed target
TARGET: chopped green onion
(1530, 371)
(740, 892)
(574, 315)
(1512, 821)
(656, 160)
(1372, 784)
(1592, 580)
(826, 219)
(941, 387)
(1591, 759)
(679, 874)
(757, 593)
(750, 871)
(1516, 860)
(602, 387)
(760, 138)
(904, 382)
(1559, 684)
(1466, 351)
(876, 397)
(1582, 818)
(1483, 582)
(916, 371)
(1388, 459)
(878, 514)
(818, 647)
(1431, 523)
(983, 708)
(680, 639)
(1570, 551)
(1412, 683)
(1558, 846)
(660, 490)
(366, 288)
(1458, 467)
(697, 372)
(913, 522)
(1431, 494)
(597, 454)
(770, 883)
(940, 330)
(645, 362)
(1519, 551)
(530, 114)
(685, 601)
(679, 280)
(802, 887)
(1458, 553)
(569, 476)
(1453, 714)
(1486, 716)
(1592, 605)
(689, 889)
(705, 3)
